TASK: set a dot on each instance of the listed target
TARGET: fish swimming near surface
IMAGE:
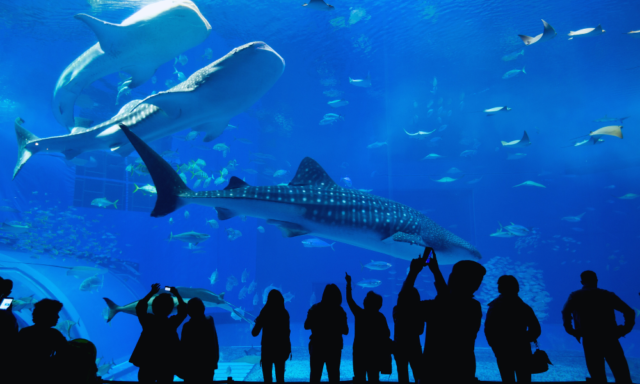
(529, 183)
(493, 111)
(587, 32)
(573, 219)
(312, 204)
(364, 83)
(137, 46)
(207, 100)
(523, 142)
(319, 5)
(548, 34)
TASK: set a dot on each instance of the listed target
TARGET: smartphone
(429, 257)
(168, 289)
(6, 303)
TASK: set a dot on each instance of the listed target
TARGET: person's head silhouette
(332, 295)
(195, 308)
(409, 296)
(275, 300)
(372, 302)
(508, 286)
(162, 305)
(589, 279)
(6, 286)
(466, 277)
(46, 312)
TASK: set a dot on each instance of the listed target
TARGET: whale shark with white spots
(312, 204)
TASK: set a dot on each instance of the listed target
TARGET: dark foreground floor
(568, 367)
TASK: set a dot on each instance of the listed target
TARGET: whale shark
(138, 46)
(548, 34)
(312, 204)
(206, 102)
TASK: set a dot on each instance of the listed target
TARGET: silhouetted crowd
(453, 319)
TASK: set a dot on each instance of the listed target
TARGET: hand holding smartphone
(6, 303)
(168, 289)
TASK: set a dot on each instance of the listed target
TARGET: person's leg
(144, 376)
(506, 368)
(614, 355)
(280, 370)
(373, 375)
(333, 365)
(402, 367)
(267, 367)
(359, 367)
(594, 357)
(316, 364)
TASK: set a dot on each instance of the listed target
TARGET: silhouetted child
(156, 353)
(78, 362)
(199, 350)
(40, 343)
(371, 349)
(510, 327)
(594, 320)
(276, 345)
(408, 326)
(327, 322)
(9, 332)
(453, 320)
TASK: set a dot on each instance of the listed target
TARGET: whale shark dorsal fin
(235, 183)
(311, 173)
(108, 34)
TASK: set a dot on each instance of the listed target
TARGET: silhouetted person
(156, 353)
(594, 320)
(199, 349)
(273, 321)
(40, 343)
(453, 320)
(408, 326)
(9, 332)
(510, 327)
(370, 341)
(327, 322)
(77, 362)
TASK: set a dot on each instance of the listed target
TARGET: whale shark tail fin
(24, 138)
(169, 185)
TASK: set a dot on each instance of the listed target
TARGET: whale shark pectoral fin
(403, 237)
(108, 34)
(225, 214)
(311, 173)
(289, 229)
(212, 129)
(139, 74)
(169, 102)
(70, 154)
(123, 150)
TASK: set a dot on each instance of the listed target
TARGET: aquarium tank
(290, 143)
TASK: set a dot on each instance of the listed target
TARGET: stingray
(448, 179)
(611, 130)
(585, 32)
(524, 142)
(529, 183)
(548, 34)
(79, 272)
(419, 134)
(320, 5)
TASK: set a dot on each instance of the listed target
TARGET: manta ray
(312, 204)
(524, 142)
(137, 46)
(206, 101)
(548, 34)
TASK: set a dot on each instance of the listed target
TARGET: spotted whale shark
(138, 46)
(205, 102)
(312, 204)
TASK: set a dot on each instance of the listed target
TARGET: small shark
(189, 237)
(524, 142)
(312, 204)
(548, 34)
(137, 46)
(607, 119)
(207, 100)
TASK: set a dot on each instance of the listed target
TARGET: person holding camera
(155, 352)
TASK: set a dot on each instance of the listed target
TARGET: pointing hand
(347, 277)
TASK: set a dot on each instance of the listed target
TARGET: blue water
(568, 84)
